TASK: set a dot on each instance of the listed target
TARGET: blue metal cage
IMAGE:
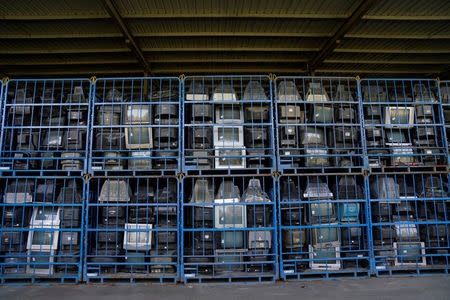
(323, 227)
(45, 127)
(42, 229)
(403, 124)
(229, 229)
(410, 223)
(136, 126)
(318, 124)
(228, 125)
(132, 230)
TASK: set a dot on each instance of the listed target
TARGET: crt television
(399, 117)
(138, 237)
(138, 138)
(325, 235)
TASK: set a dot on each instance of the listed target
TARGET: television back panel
(37, 244)
(412, 210)
(305, 228)
(234, 217)
(122, 247)
(328, 106)
(45, 127)
(244, 102)
(410, 110)
(137, 126)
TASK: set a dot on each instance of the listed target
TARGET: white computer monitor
(228, 136)
(138, 237)
(332, 253)
(399, 117)
(138, 138)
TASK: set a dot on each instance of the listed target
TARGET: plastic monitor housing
(114, 191)
(402, 249)
(287, 91)
(139, 240)
(46, 216)
(229, 113)
(394, 116)
(197, 92)
(316, 92)
(255, 193)
(329, 235)
(224, 93)
(254, 91)
(332, 253)
(229, 194)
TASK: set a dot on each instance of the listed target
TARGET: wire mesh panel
(45, 126)
(445, 97)
(410, 223)
(318, 124)
(132, 230)
(136, 124)
(228, 125)
(323, 227)
(403, 124)
(41, 232)
(229, 229)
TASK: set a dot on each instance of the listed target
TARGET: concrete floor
(375, 288)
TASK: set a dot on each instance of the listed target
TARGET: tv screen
(230, 158)
(39, 257)
(230, 216)
(45, 214)
(138, 137)
(395, 136)
(322, 114)
(43, 238)
(229, 135)
(53, 138)
(400, 115)
(313, 136)
(326, 254)
(232, 239)
(321, 209)
(138, 114)
(324, 235)
(409, 252)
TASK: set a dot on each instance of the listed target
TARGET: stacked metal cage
(407, 163)
(133, 201)
(228, 205)
(43, 157)
(323, 224)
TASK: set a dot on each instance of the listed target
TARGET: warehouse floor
(375, 288)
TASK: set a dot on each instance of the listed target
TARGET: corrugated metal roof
(176, 36)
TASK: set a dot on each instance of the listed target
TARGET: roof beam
(129, 39)
(332, 43)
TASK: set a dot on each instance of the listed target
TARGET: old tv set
(229, 260)
(46, 216)
(114, 191)
(316, 92)
(312, 136)
(385, 188)
(409, 254)
(321, 114)
(317, 189)
(322, 211)
(229, 113)
(406, 232)
(224, 92)
(254, 91)
(399, 116)
(325, 258)
(231, 239)
(325, 235)
(259, 239)
(287, 91)
(229, 158)
(227, 212)
(138, 138)
(228, 136)
(19, 191)
(41, 262)
(197, 91)
(423, 94)
(138, 114)
(203, 193)
(293, 238)
(138, 237)
(349, 212)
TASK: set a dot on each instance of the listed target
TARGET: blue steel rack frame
(404, 125)
(41, 230)
(445, 97)
(136, 126)
(45, 127)
(132, 230)
(410, 223)
(318, 125)
(323, 227)
(228, 125)
(243, 249)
